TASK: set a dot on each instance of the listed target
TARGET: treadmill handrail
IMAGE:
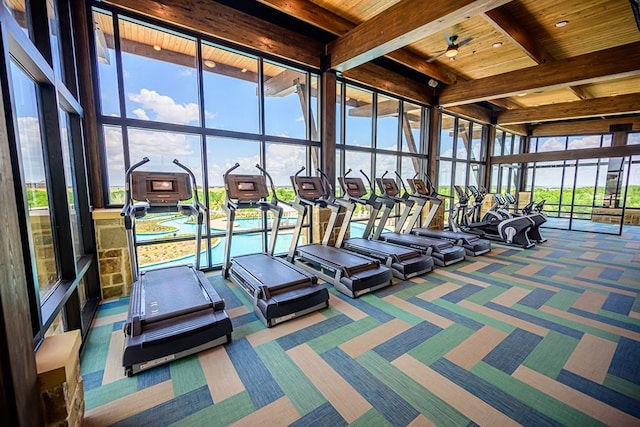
(197, 202)
(127, 208)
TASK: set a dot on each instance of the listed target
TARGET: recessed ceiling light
(561, 24)
(244, 70)
(156, 47)
(209, 63)
(497, 44)
(523, 94)
(614, 94)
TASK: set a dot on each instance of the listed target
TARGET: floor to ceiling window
(584, 194)
(461, 157)
(167, 93)
(47, 159)
(378, 134)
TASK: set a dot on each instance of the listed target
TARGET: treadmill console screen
(354, 187)
(418, 186)
(162, 185)
(308, 187)
(388, 186)
(246, 186)
(160, 188)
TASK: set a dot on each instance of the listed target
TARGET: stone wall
(437, 223)
(613, 215)
(321, 221)
(113, 253)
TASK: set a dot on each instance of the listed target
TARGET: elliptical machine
(537, 219)
(511, 230)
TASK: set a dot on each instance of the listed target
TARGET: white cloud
(164, 108)
(141, 114)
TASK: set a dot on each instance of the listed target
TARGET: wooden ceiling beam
(335, 24)
(230, 24)
(595, 107)
(386, 80)
(584, 127)
(400, 25)
(587, 68)
(582, 153)
(515, 33)
(505, 24)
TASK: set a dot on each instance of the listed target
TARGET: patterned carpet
(546, 336)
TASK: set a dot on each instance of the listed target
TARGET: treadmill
(472, 243)
(173, 311)
(443, 252)
(350, 273)
(279, 290)
(404, 262)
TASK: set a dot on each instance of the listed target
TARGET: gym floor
(545, 336)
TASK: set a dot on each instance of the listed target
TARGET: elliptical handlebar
(126, 209)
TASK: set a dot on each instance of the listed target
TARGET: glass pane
(567, 189)
(410, 166)
(54, 30)
(286, 101)
(446, 136)
(315, 106)
(461, 174)
(35, 180)
(69, 175)
(162, 147)
(151, 59)
(583, 194)
(462, 145)
(282, 162)
(230, 82)
(547, 186)
(358, 120)
(517, 144)
(387, 163)
(508, 142)
(553, 143)
(222, 154)
(17, 8)
(533, 145)
(411, 119)
(444, 178)
(476, 142)
(476, 175)
(606, 140)
(57, 326)
(583, 141)
(633, 190)
(167, 254)
(495, 175)
(339, 113)
(107, 70)
(497, 143)
(387, 123)
(115, 163)
(356, 160)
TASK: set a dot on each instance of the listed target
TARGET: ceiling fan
(452, 49)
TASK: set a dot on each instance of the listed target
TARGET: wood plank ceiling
(516, 65)
(596, 54)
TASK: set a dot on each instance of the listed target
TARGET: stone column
(59, 381)
(113, 253)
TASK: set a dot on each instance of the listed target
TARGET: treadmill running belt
(336, 256)
(273, 273)
(171, 292)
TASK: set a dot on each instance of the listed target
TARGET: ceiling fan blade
(465, 41)
(433, 58)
